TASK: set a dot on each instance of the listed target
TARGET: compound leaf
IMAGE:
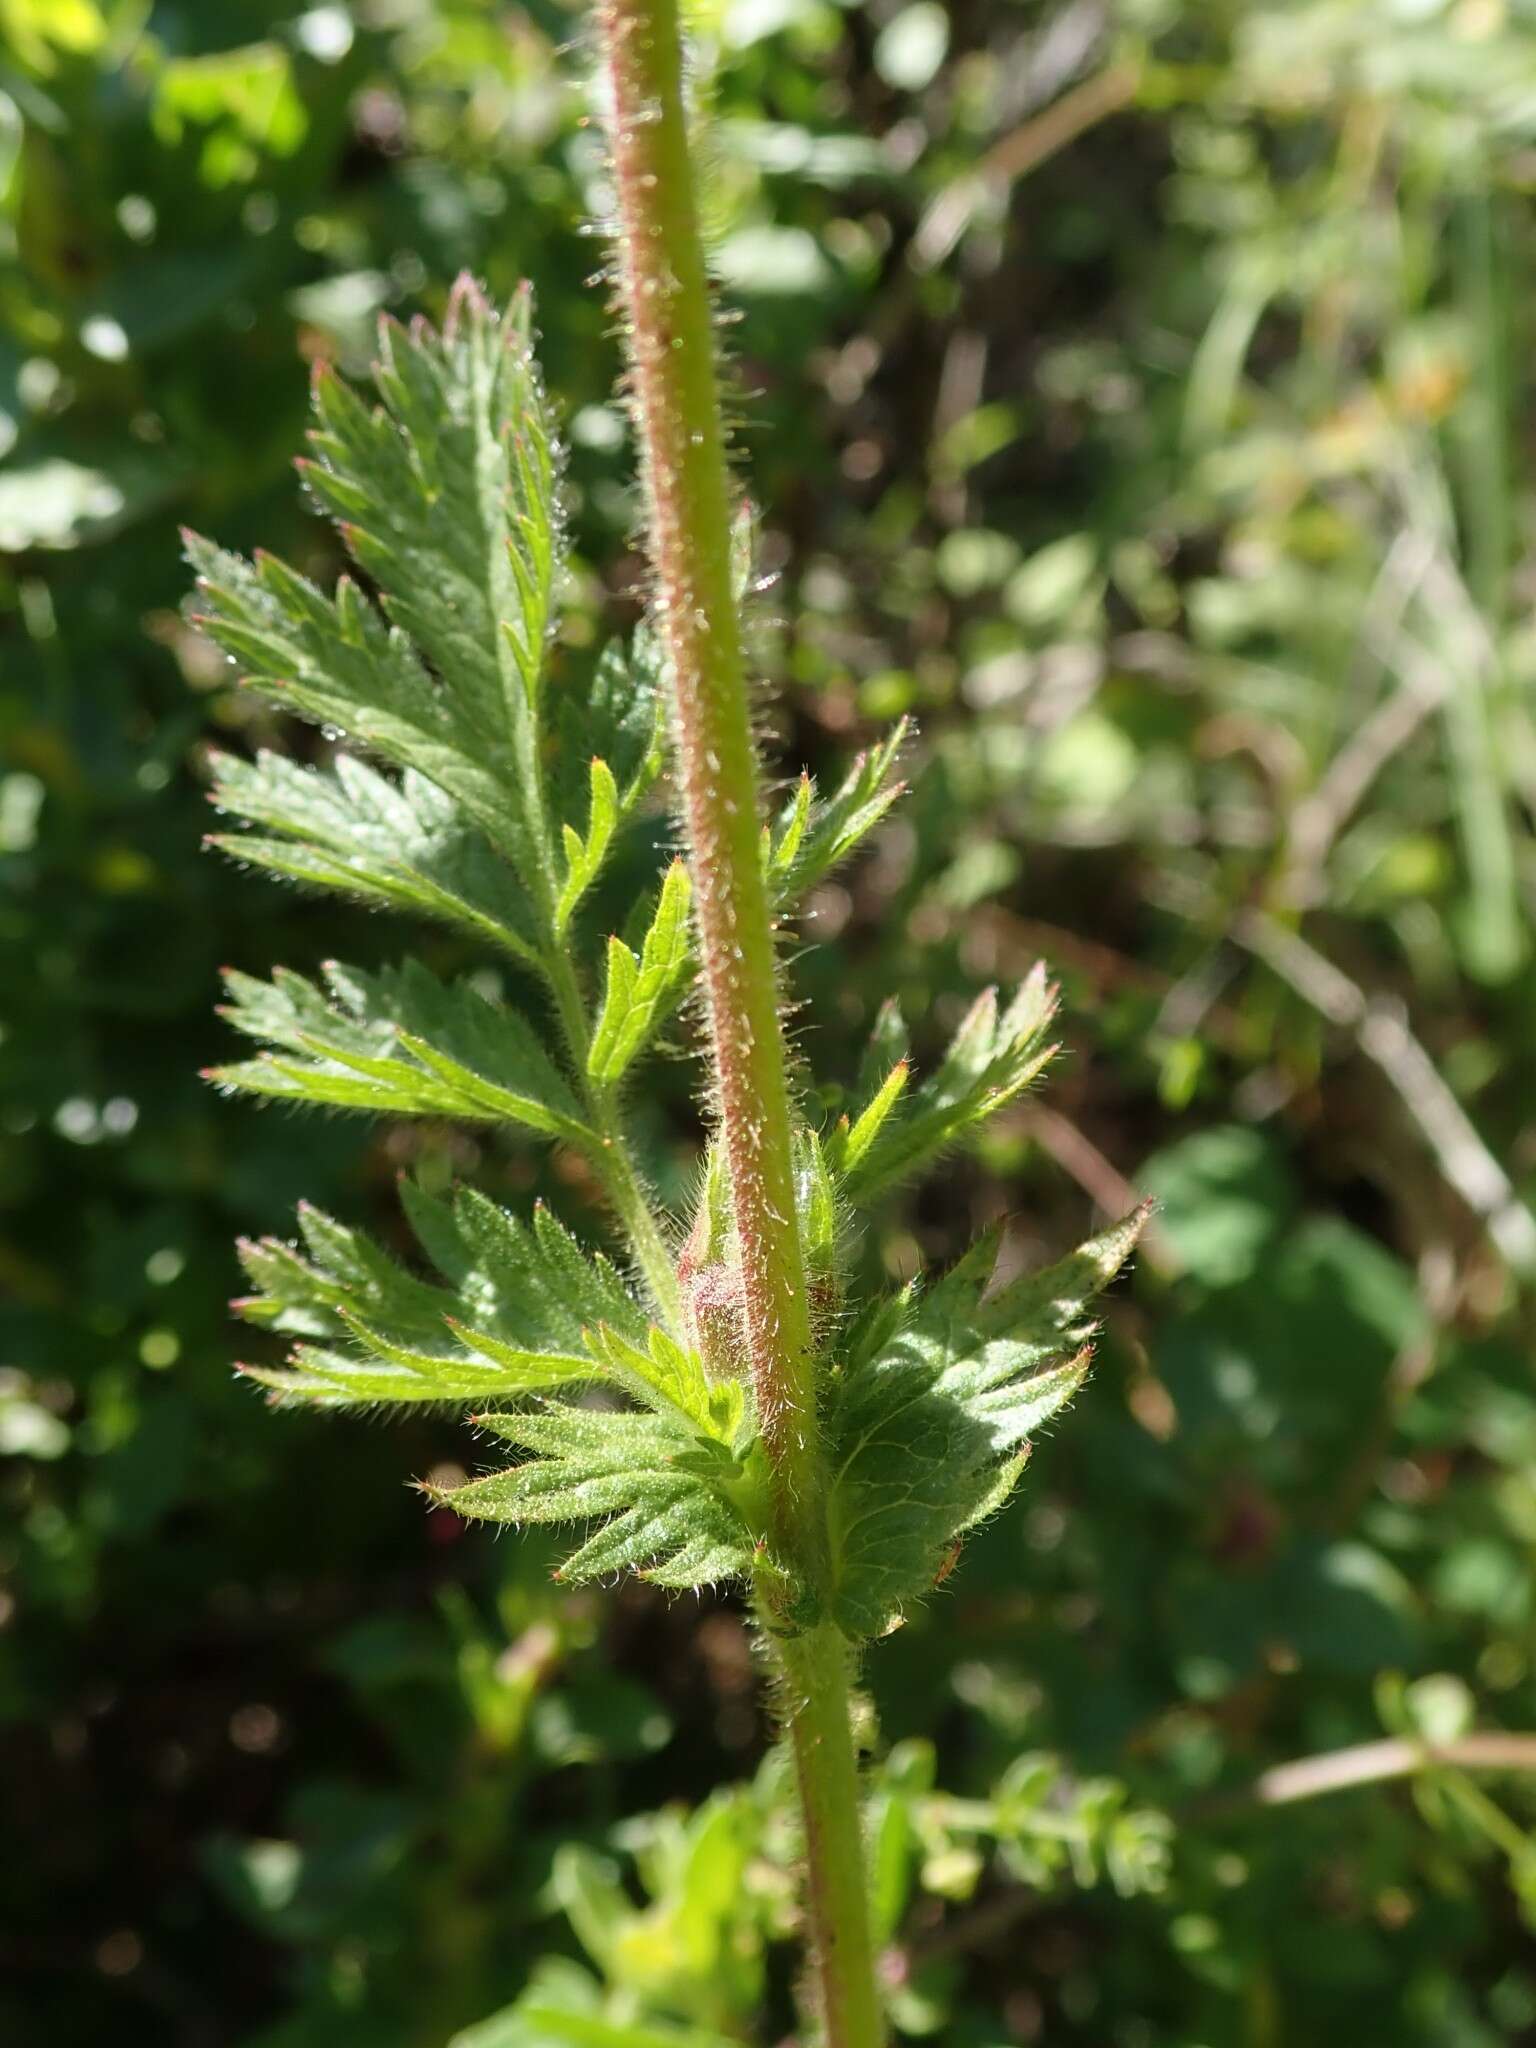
(636, 1475)
(445, 495)
(405, 844)
(507, 1318)
(929, 1433)
(811, 836)
(991, 1060)
(398, 1041)
(641, 993)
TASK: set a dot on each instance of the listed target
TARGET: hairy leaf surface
(641, 994)
(638, 1477)
(813, 835)
(509, 1315)
(991, 1060)
(405, 844)
(399, 1041)
(930, 1425)
(445, 495)
(483, 777)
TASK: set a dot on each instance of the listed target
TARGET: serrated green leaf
(660, 1374)
(851, 1142)
(398, 1041)
(640, 994)
(582, 1287)
(811, 838)
(532, 1286)
(928, 1435)
(584, 857)
(525, 1369)
(510, 1320)
(633, 1474)
(406, 844)
(991, 1060)
(335, 661)
(344, 1270)
(389, 1375)
(446, 495)
(1055, 1302)
(997, 1496)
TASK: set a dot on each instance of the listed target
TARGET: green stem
(622, 1184)
(672, 354)
(609, 1158)
(815, 1669)
(674, 379)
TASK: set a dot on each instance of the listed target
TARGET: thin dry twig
(1321, 815)
(1079, 1158)
(1022, 150)
(1385, 612)
(1381, 1030)
(1397, 1756)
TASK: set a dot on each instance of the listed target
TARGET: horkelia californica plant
(717, 1405)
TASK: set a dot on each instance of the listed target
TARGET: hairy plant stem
(616, 1170)
(816, 1669)
(672, 351)
(673, 367)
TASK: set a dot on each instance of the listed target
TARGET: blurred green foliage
(1135, 392)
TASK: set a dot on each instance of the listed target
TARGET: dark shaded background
(1137, 394)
